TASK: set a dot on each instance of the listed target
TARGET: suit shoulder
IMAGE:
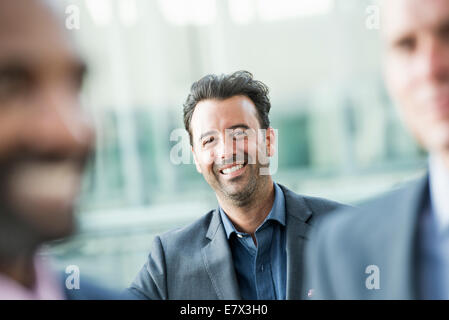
(375, 208)
(307, 207)
(369, 219)
(191, 233)
(318, 204)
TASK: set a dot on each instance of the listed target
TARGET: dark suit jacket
(381, 232)
(195, 262)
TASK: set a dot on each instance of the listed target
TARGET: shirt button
(239, 235)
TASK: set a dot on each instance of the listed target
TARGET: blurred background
(339, 134)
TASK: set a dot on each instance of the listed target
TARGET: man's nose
(62, 126)
(225, 150)
(434, 60)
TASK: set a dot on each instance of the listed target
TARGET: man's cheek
(262, 155)
(12, 125)
(397, 81)
(206, 159)
(261, 151)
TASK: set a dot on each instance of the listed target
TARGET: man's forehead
(233, 107)
(30, 32)
(405, 16)
(16, 15)
(225, 113)
(28, 19)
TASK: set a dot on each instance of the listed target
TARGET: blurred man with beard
(397, 245)
(251, 246)
(45, 140)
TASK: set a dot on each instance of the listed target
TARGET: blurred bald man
(397, 246)
(45, 140)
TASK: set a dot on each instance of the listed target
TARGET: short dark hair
(227, 86)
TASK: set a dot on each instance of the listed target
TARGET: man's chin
(239, 192)
(234, 185)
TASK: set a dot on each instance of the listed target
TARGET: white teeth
(232, 169)
(42, 181)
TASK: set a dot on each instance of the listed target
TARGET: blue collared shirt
(261, 271)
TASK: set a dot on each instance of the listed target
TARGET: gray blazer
(382, 232)
(195, 262)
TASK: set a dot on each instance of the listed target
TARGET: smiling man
(251, 246)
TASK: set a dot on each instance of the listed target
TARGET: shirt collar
(46, 287)
(277, 213)
(439, 190)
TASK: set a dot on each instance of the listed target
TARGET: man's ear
(270, 139)
(198, 168)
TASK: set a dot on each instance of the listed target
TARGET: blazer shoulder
(322, 205)
(373, 217)
(189, 236)
(305, 207)
(348, 223)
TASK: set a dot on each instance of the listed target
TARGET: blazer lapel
(296, 239)
(217, 258)
(404, 258)
(297, 229)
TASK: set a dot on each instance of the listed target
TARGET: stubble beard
(249, 193)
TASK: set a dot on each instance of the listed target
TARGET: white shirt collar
(439, 191)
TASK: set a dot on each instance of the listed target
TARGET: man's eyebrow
(14, 68)
(206, 134)
(444, 28)
(18, 61)
(237, 126)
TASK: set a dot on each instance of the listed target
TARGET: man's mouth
(233, 169)
(45, 184)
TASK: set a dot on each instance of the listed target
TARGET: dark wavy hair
(224, 86)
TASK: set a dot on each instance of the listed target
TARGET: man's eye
(78, 76)
(444, 34)
(12, 83)
(77, 82)
(209, 140)
(239, 134)
(406, 44)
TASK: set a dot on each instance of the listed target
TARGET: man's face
(44, 136)
(417, 67)
(229, 148)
